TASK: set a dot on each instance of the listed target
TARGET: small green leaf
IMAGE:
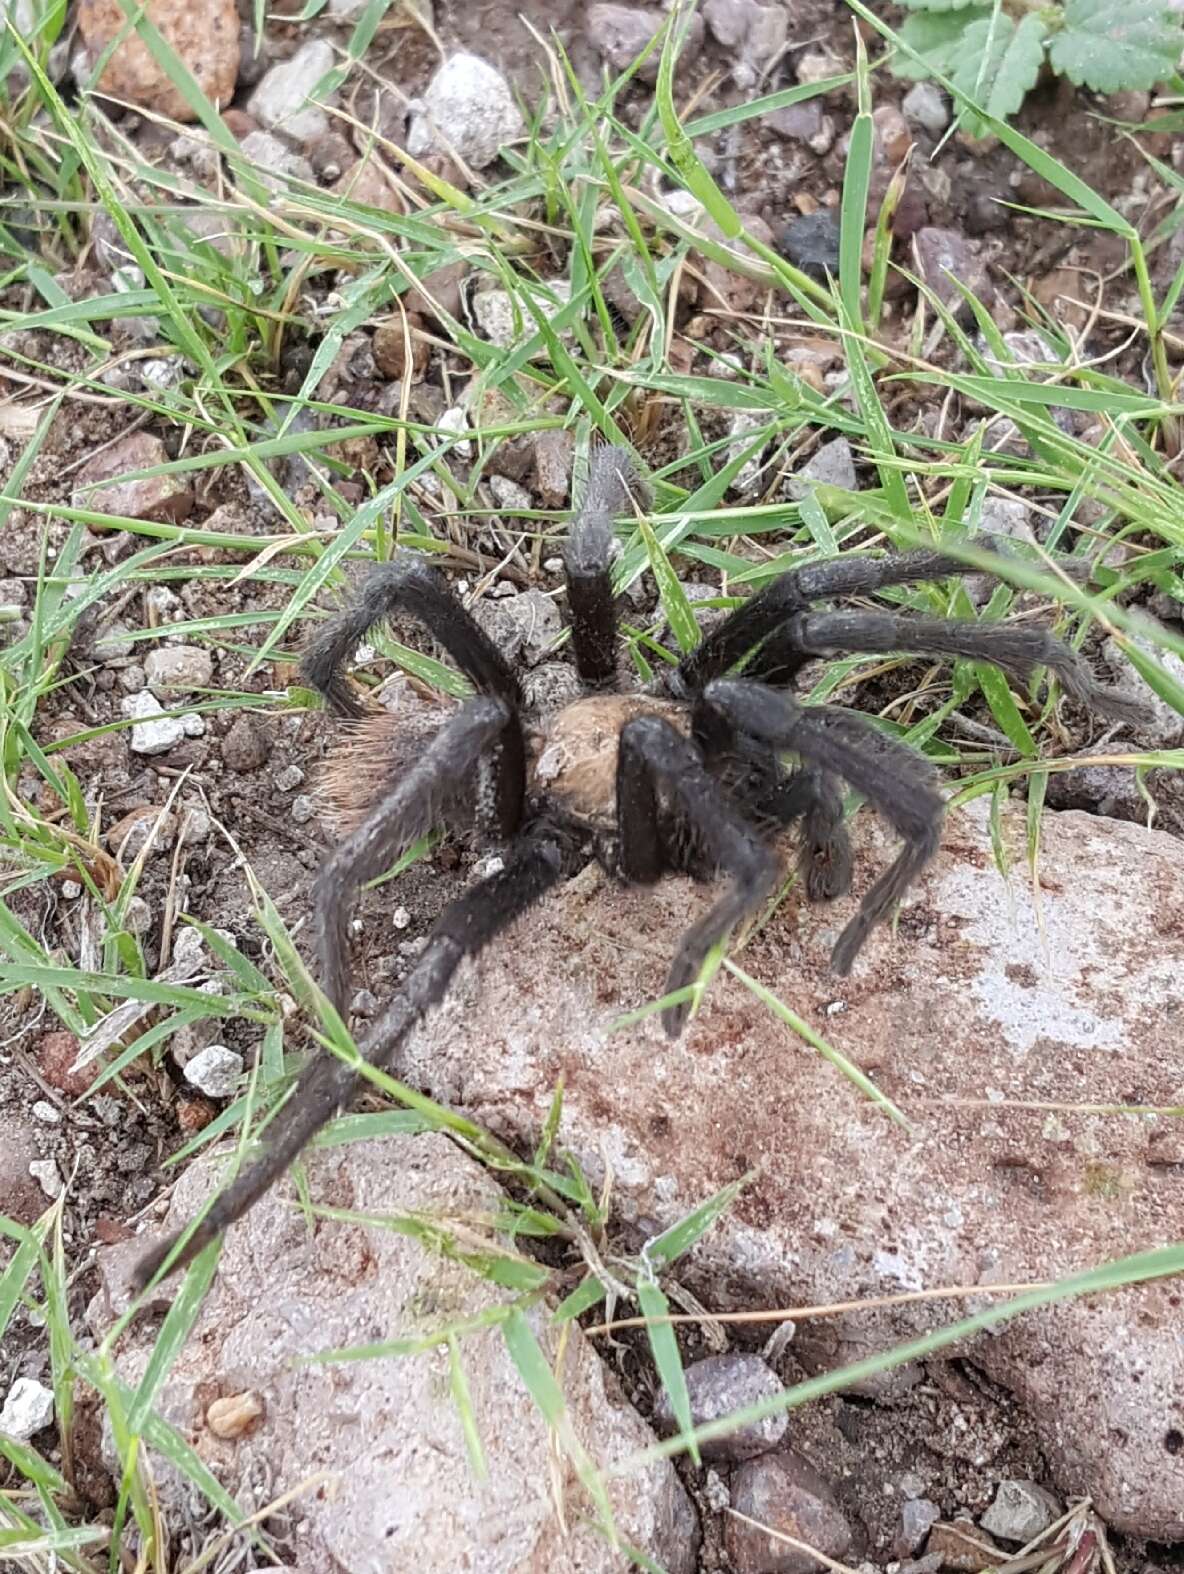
(664, 1349)
(1108, 46)
(996, 65)
(937, 37)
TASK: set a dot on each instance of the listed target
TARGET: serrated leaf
(936, 35)
(998, 62)
(1109, 47)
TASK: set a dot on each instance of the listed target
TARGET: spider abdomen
(575, 760)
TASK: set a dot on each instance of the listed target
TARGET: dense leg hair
(1018, 651)
(656, 760)
(406, 585)
(824, 856)
(897, 781)
(327, 1085)
(762, 615)
(586, 562)
(469, 741)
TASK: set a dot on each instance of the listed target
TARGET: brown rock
(365, 184)
(23, 1199)
(205, 36)
(962, 1017)
(946, 255)
(246, 746)
(56, 1053)
(964, 1548)
(892, 134)
(164, 497)
(720, 1385)
(390, 348)
(437, 291)
(127, 838)
(621, 32)
(785, 1493)
(553, 451)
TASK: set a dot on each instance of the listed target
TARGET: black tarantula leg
(470, 740)
(586, 563)
(406, 584)
(654, 759)
(763, 614)
(1018, 651)
(897, 781)
(327, 1085)
(824, 861)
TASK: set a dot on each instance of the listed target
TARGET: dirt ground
(257, 760)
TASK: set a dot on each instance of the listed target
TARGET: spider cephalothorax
(688, 776)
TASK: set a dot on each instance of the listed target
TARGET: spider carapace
(688, 775)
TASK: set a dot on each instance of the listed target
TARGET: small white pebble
(364, 655)
(489, 865)
(27, 1409)
(193, 724)
(302, 809)
(401, 918)
(356, 926)
(289, 778)
(215, 1071)
(835, 1007)
(49, 1114)
(45, 1173)
(553, 565)
(138, 916)
(288, 1007)
(71, 890)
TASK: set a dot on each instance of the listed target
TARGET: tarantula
(687, 775)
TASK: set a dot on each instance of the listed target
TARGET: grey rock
(926, 106)
(28, 1408)
(550, 686)
(744, 423)
(100, 485)
(154, 732)
(47, 1175)
(524, 627)
(1009, 518)
(1163, 726)
(494, 313)
(917, 1518)
(215, 1071)
(959, 997)
(756, 32)
(289, 778)
(246, 745)
(620, 32)
(798, 122)
(946, 256)
(114, 643)
(303, 808)
(1100, 789)
(132, 678)
(811, 243)
(19, 1148)
(1021, 1511)
(509, 494)
(283, 1292)
(178, 669)
(273, 163)
(280, 100)
(832, 465)
(13, 593)
(786, 1493)
(717, 1386)
(467, 107)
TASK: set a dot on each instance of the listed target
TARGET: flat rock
(162, 497)
(204, 34)
(280, 102)
(172, 669)
(787, 1494)
(972, 1027)
(402, 1492)
(154, 731)
(620, 32)
(468, 109)
(718, 1386)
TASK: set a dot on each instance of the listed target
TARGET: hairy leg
(763, 614)
(655, 759)
(824, 857)
(408, 584)
(408, 811)
(898, 782)
(586, 563)
(327, 1084)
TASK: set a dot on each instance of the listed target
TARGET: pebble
(468, 108)
(279, 100)
(193, 724)
(523, 627)
(166, 498)
(619, 33)
(56, 1053)
(390, 349)
(1163, 726)
(365, 1003)
(926, 106)
(550, 686)
(13, 593)
(289, 778)
(153, 732)
(946, 255)
(303, 809)
(215, 1071)
(494, 314)
(509, 495)
(204, 35)
(71, 890)
(811, 243)
(162, 603)
(786, 1493)
(1098, 789)
(28, 1408)
(401, 918)
(743, 424)
(832, 465)
(917, 1518)
(719, 1385)
(45, 1172)
(756, 31)
(178, 668)
(273, 163)
(455, 419)
(130, 834)
(137, 917)
(48, 1114)
(245, 746)
(553, 450)
(1021, 1511)
(964, 1548)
